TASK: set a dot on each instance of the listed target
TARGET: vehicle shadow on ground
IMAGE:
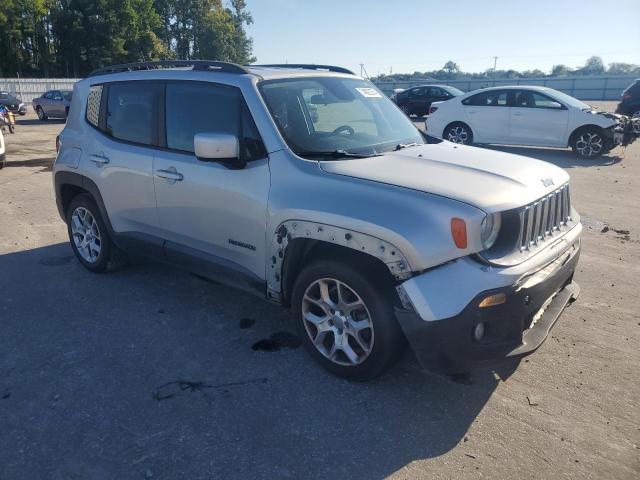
(37, 121)
(45, 164)
(561, 158)
(105, 362)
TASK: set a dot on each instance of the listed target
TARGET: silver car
(52, 104)
(305, 185)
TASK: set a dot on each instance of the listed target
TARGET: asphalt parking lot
(149, 372)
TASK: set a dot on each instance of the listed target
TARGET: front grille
(544, 217)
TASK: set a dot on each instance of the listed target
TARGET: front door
(537, 119)
(206, 206)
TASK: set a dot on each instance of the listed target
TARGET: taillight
(57, 143)
(626, 96)
(432, 109)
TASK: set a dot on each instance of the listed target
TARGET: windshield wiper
(336, 154)
(400, 146)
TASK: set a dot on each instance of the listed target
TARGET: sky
(404, 36)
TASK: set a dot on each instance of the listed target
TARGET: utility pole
(495, 63)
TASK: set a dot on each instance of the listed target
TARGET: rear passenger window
(193, 108)
(131, 112)
(93, 105)
(496, 98)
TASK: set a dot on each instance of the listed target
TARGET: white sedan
(532, 116)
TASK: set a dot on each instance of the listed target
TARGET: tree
(623, 69)
(451, 68)
(73, 37)
(560, 71)
(243, 45)
(593, 66)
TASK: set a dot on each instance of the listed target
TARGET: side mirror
(218, 147)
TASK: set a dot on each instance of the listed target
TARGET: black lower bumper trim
(511, 330)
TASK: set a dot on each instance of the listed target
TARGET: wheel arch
(69, 185)
(302, 251)
(296, 243)
(582, 128)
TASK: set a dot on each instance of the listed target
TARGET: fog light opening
(491, 300)
(478, 332)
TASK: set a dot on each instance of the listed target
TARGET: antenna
(363, 71)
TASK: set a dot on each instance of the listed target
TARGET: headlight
(489, 229)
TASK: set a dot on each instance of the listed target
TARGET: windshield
(568, 100)
(334, 114)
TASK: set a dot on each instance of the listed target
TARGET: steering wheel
(343, 128)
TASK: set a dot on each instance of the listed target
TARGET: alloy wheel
(337, 322)
(86, 234)
(458, 134)
(589, 144)
(40, 113)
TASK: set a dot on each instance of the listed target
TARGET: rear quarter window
(94, 99)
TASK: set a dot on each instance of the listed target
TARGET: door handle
(516, 114)
(169, 174)
(99, 159)
(472, 111)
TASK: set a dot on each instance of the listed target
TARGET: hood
(488, 179)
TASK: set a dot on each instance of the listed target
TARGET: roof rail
(307, 66)
(202, 65)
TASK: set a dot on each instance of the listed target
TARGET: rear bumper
(512, 329)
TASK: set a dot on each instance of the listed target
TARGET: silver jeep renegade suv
(305, 185)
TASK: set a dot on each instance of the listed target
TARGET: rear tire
(348, 326)
(12, 129)
(90, 238)
(589, 143)
(458, 132)
(40, 112)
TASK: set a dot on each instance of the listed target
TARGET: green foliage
(451, 71)
(61, 38)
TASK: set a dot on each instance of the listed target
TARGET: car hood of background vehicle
(488, 179)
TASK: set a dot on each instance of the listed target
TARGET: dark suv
(12, 103)
(630, 102)
(417, 100)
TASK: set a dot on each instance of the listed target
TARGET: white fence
(29, 88)
(583, 88)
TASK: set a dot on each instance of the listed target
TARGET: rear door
(119, 156)
(206, 206)
(57, 104)
(419, 100)
(537, 119)
(487, 113)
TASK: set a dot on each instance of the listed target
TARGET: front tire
(589, 143)
(458, 132)
(41, 114)
(89, 236)
(405, 110)
(346, 321)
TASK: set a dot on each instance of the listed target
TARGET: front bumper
(512, 329)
